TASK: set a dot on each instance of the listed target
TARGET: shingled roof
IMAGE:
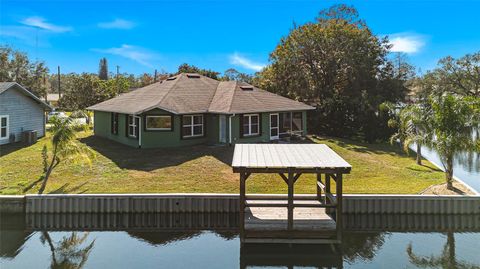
(193, 93)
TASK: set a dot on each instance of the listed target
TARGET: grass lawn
(377, 168)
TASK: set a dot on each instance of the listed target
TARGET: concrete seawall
(226, 203)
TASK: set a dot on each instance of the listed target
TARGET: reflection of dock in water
(281, 255)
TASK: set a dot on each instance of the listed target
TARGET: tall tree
(233, 74)
(451, 125)
(16, 66)
(103, 69)
(338, 65)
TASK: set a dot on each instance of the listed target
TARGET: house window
(3, 127)
(114, 123)
(297, 122)
(159, 123)
(251, 124)
(132, 126)
(192, 126)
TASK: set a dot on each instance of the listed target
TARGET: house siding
(23, 114)
(158, 139)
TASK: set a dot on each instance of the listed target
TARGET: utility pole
(155, 76)
(59, 88)
(118, 70)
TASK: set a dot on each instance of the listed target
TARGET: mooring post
(290, 199)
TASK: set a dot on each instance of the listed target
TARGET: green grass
(376, 168)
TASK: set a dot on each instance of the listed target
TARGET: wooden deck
(270, 224)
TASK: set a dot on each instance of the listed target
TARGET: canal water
(146, 241)
(466, 166)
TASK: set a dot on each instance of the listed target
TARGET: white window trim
(192, 125)
(134, 125)
(7, 127)
(249, 116)
(158, 129)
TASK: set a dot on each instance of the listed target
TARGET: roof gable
(4, 86)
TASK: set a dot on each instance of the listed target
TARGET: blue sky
(141, 36)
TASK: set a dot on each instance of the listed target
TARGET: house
(52, 99)
(20, 110)
(189, 109)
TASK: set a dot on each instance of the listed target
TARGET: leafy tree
(103, 69)
(64, 148)
(233, 74)
(85, 90)
(460, 76)
(186, 68)
(336, 64)
(16, 66)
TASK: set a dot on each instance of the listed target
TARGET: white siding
(24, 114)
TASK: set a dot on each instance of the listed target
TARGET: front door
(274, 126)
(222, 128)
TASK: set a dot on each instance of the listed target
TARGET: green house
(190, 109)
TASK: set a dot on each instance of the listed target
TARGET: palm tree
(412, 128)
(451, 124)
(65, 148)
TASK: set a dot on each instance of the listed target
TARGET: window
(251, 124)
(297, 122)
(192, 126)
(3, 127)
(114, 123)
(132, 126)
(159, 123)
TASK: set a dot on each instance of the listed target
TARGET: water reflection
(71, 252)
(70, 240)
(447, 259)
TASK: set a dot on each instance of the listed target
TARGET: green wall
(155, 139)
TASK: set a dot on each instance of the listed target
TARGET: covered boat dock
(298, 218)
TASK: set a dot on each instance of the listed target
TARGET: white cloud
(238, 60)
(40, 22)
(407, 43)
(133, 53)
(117, 24)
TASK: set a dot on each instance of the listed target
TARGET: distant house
(52, 99)
(192, 109)
(20, 110)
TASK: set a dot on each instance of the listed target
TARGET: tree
(87, 89)
(186, 68)
(103, 69)
(460, 76)
(411, 124)
(451, 125)
(64, 148)
(338, 65)
(16, 66)
(233, 74)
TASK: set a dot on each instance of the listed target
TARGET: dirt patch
(441, 189)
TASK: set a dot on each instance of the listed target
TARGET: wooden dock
(294, 220)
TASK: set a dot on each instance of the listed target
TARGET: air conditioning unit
(29, 137)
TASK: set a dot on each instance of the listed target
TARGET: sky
(141, 36)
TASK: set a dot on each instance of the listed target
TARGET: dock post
(242, 205)
(338, 211)
(290, 199)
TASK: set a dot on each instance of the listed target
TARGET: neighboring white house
(20, 110)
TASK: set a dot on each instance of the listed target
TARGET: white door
(222, 128)
(274, 126)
